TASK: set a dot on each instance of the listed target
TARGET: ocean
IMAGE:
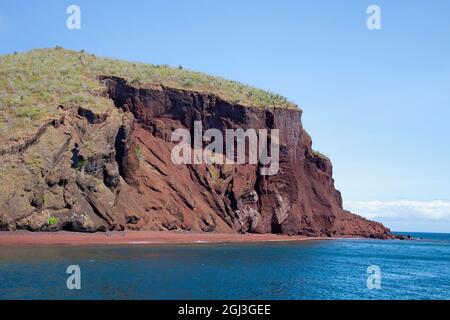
(317, 269)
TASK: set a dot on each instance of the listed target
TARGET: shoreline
(27, 238)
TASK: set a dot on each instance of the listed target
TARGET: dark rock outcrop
(113, 171)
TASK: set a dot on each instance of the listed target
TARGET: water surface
(331, 269)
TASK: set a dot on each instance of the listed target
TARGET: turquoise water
(334, 269)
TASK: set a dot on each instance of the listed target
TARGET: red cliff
(300, 199)
(113, 171)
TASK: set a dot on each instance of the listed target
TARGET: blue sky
(376, 101)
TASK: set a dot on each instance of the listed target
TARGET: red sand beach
(134, 237)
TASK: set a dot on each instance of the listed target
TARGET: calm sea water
(335, 269)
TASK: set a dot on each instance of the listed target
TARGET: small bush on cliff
(138, 152)
(319, 155)
(81, 164)
(52, 221)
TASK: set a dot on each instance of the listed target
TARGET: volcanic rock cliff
(87, 171)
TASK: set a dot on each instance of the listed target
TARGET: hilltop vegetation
(33, 84)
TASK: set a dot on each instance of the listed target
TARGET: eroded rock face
(66, 178)
(114, 171)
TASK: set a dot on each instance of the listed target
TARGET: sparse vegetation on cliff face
(33, 84)
(320, 155)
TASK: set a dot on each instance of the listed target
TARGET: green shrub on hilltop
(33, 113)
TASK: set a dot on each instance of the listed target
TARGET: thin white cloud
(436, 210)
